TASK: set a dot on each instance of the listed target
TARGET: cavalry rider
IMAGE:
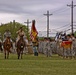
(7, 34)
(20, 33)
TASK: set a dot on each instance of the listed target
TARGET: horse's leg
(18, 52)
(21, 54)
(18, 55)
(7, 54)
(1, 49)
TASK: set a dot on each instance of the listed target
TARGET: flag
(66, 44)
(34, 32)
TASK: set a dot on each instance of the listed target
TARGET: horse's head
(7, 39)
(21, 43)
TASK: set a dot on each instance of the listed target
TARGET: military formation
(63, 45)
(45, 46)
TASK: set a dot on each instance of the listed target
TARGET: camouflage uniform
(47, 47)
(7, 34)
(40, 49)
(35, 48)
(44, 47)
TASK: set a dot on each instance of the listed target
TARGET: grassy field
(33, 65)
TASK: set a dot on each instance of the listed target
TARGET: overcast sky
(21, 10)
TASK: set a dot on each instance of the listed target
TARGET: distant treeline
(13, 27)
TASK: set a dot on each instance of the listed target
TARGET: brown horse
(7, 45)
(20, 47)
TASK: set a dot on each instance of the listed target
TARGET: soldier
(48, 50)
(35, 47)
(40, 46)
(20, 33)
(7, 34)
(44, 46)
(73, 45)
(49, 47)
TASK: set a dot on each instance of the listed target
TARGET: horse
(20, 47)
(7, 46)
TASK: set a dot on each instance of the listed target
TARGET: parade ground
(37, 65)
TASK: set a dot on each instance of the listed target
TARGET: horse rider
(20, 33)
(7, 34)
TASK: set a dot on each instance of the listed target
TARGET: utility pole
(27, 27)
(13, 24)
(72, 6)
(47, 22)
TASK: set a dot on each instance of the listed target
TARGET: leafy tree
(13, 27)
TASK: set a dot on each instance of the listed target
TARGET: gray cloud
(34, 9)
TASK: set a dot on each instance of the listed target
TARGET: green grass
(33, 65)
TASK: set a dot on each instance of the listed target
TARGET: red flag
(66, 44)
(34, 32)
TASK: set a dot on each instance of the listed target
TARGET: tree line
(13, 27)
